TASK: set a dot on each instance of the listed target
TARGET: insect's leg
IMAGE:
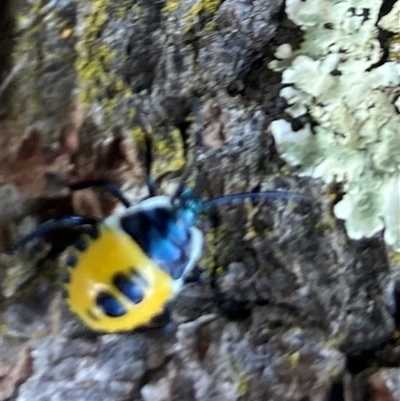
(108, 186)
(168, 323)
(195, 276)
(148, 160)
(53, 225)
(167, 319)
(163, 323)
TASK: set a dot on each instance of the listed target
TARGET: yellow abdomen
(98, 270)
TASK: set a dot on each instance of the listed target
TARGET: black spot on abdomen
(109, 305)
(128, 287)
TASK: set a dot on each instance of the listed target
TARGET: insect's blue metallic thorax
(165, 231)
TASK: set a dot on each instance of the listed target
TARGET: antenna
(225, 199)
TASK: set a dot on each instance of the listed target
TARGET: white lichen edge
(391, 21)
(355, 135)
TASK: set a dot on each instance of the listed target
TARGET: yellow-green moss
(15, 276)
(241, 377)
(170, 6)
(286, 170)
(336, 341)
(3, 327)
(294, 358)
(169, 154)
(394, 256)
(243, 384)
(32, 15)
(99, 83)
(38, 32)
(212, 238)
(94, 62)
(394, 48)
(202, 6)
(199, 15)
(168, 151)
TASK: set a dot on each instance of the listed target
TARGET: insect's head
(186, 206)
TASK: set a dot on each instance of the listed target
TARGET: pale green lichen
(391, 21)
(354, 137)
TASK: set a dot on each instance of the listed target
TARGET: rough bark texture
(90, 73)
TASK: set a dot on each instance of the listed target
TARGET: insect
(125, 269)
